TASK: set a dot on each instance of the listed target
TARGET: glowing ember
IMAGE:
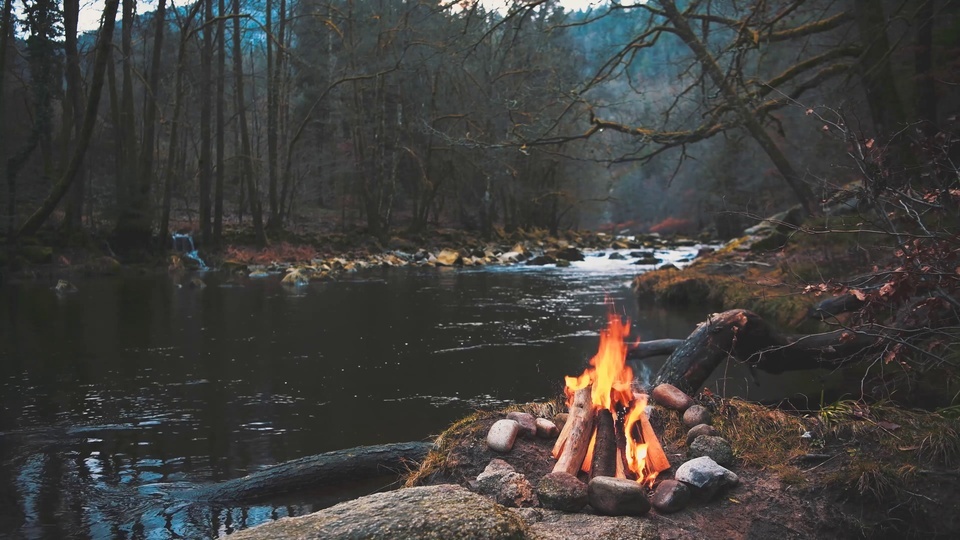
(611, 382)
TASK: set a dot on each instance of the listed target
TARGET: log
(605, 448)
(831, 307)
(571, 451)
(312, 472)
(656, 347)
(745, 336)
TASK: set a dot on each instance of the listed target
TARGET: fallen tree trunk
(745, 336)
(311, 472)
(657, 347)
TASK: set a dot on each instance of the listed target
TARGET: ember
(604, 391)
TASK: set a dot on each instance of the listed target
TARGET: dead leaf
(858, 294)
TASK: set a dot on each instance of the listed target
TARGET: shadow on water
(119, 396)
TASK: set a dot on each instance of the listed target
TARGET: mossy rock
(772, 242)
(36, 254)
(431, 513)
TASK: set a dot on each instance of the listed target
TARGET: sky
(90, 10)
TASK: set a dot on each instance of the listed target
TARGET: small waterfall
(183, 243)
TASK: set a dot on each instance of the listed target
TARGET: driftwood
(745, 336)
(574, 441)
(311, 472)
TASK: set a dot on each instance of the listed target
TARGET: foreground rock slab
(434, 512)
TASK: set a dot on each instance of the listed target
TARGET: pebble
(698, 430)
(502, 435)
(528, 424)
(617, 496)
(695, 415)
(671, 397)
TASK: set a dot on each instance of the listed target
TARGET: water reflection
(123, 395)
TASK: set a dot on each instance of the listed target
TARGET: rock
(197, 283)
(647, 261)
(63, 287)
(256, 274)
(500, 481)
(698, 430)
(617, 496)
(563, 263)
(569, 254)
(671, 397)
(716, 448)
(706, 475)
(541, 260)
(670, 496)
(546, 429)
(502, 435)
(560, 419)
(444, 511)
(562, 491)
(696, 414)
(295, 277)
(528, 424)
(617, 256)
(449, 257)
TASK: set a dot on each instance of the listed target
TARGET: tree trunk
(744, 336)
(926, 98)
(311, 472)
(5, 23)
(879, 83)
(170, 173)
(72, 109)
(206, 169)
(104, 39)
(801, 191)
(247, 158)
(221, 113)
(272, 221)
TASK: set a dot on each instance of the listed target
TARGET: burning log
(604, 461)
(574, 441)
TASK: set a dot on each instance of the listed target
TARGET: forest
(401, 116)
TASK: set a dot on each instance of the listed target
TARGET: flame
(609, 373)
(612, 380)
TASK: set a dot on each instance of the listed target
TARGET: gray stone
(716, 448)
(528, 423)
(698, 430)
(504, 484)
(502, 435)
(546, 428)
(696, 414)
(617, 256)
(671, 397)
(556, 525)
(670, 496)
(562, 491)
(617, 496)
(705, 475)
(432, 513)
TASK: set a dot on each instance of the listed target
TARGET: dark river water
(119, 396)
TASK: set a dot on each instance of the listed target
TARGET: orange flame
(612, 379)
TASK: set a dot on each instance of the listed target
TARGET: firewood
(605, 448)
(573, 449)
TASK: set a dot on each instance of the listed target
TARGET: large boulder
(430, 513)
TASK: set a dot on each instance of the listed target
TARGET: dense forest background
(402, 115)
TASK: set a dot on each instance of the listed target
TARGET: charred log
(311, 472)
(745, 336)
(605, 448)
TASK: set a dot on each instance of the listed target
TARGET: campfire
(607, 432)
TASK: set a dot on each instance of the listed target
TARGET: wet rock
(696, 414)
(449, 257)
(63, 287)
(541, 260)
(562, 491)
(502, 435)
(546, 429)
(569, 254)
(698, 430)
(617, 257)
(257, 274)
(563, 263)
(648, 261)
(671, 397)
(671, 496)
(444, 511)
(528, 424)
(706, 476)
(716, 448)
(500, 481)
(617, 496)
(295, 277)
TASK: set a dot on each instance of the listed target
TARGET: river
(122, 394)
